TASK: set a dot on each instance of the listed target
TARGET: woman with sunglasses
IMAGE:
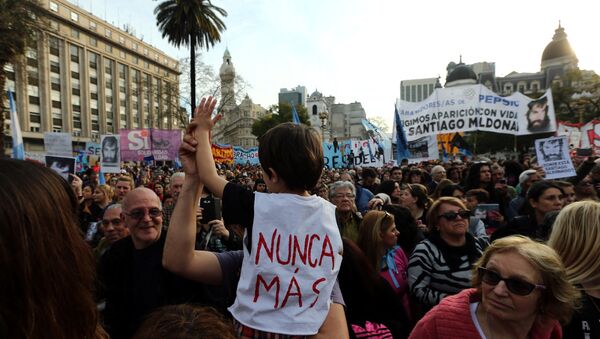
(575, 237)
(378, 239)
(441, 264)
(520, 291)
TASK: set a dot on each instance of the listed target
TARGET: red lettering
(327, 251)
(263, 243)
(310, 262)
(316, 290)
(298, 293)
(268, 287)
(287, 261)
(297, 250)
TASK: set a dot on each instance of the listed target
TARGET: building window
(108, 33)
(74, 33)
(93, 25)
(121, 40)
(134, 46)
(74, 16)
(108, 48)
(145, 51)
(53, 6)
(54, 25)
(93, 42)
(122, 54)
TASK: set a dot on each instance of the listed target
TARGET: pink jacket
(451, 318)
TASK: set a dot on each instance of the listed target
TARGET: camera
(211, 209)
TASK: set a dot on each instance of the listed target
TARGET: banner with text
(476, 108)
(245, 156)
(142, 143)
(58, 143)
(342, 154)
(582, 135)
(222, 153)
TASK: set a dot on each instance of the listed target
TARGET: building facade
(293, 96)
(415, 90)
(87, 77)
(340, 121)
(235, 128)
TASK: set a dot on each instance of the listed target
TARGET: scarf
(389, 262)
(453, 254)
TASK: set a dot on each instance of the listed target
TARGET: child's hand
(202, 118)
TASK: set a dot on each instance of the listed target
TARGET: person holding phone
(212, 234)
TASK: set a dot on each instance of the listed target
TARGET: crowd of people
(486, 248)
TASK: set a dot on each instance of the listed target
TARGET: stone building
(236, 126)
(87, 77)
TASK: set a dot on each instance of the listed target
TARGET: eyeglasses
(381, 218)
(516, 286)
(464, 214)
(342, 195)
(139, 213)
(115, 221)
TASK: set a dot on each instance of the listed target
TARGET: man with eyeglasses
(132, 278)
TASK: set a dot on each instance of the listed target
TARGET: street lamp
(323, 117)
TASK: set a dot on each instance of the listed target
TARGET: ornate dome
(461, 72)
(316, 95)
(559, 46)
(227, 71)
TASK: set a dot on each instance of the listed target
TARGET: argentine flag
(15, 128)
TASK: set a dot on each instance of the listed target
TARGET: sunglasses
(139, 213)
(115, 221)
(515, 286)
(464, 214)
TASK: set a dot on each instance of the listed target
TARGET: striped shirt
(429, 277)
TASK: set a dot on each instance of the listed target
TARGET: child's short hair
(480, 194)
(295, 153)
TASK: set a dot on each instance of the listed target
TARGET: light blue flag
(402, 151)
(17, 136)
(295, 117)
(101, 179)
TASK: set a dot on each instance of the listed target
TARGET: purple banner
(160, 143)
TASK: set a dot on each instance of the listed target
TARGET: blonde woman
(103, 195)
(378, 239)
(520, 291)
(575, 237)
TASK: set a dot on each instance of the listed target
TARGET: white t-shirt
(286, 281)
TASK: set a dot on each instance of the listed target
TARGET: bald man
(131, 273)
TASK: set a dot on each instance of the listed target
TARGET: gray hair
(177, 175)
(340, 184)
(523, 177)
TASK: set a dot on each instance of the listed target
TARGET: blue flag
(15, 128)
(295, 117)
(402, 151)
(101, 179)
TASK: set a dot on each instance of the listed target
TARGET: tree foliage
(280, 114)
(19, 22)
(578, 98)
(190, 23)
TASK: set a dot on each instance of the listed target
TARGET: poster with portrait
(110, 154)
(61, 165)
(553, 155)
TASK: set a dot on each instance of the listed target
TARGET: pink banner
(160, 143)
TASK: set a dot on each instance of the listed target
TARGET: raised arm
(179, 255)
(204, 159)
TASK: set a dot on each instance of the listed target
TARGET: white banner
(553, 155)
(476, 108)
(58, 143)
(423, 149)
(110, 154)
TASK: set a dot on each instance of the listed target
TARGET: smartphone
(211, 209)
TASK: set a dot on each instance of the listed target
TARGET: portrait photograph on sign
(110, 154)
(553, 155)
(61, 165)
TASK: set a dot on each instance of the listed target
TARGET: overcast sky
(360, 50)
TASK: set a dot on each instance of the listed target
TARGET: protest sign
(582, 135)
(476, 108)
(58, 143)
(223, 154)
(92, 148)
(342, 154)
(423, 149)
(243, 156)
(110, 156)
(158, 143)
(61, 165)
(553, 155)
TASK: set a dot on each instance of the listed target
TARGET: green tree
(279, 114)
(19, 22)
(190, 23)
